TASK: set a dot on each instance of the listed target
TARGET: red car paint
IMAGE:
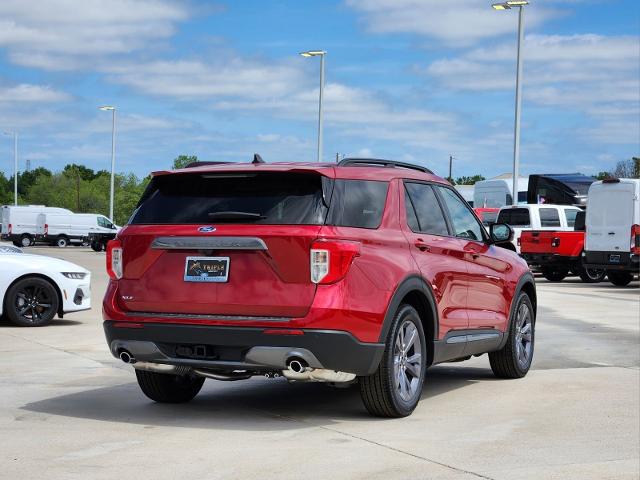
(473, 282)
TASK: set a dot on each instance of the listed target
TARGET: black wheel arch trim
(526, 278)
(410, 284)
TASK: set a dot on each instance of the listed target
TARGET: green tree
(28, 178)
(6, 190)
(603, 175)
(75, 170)
(469, 180)
(182, 161)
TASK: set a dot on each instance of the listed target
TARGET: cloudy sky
(414, 80)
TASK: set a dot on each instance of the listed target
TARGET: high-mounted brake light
(114, 259)
(635, 239)
(331, 259)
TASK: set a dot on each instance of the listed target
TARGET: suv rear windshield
(269, 198)
(233, 197)
(516, 217)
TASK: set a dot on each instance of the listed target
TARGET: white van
(19, 222)
(537, 217)
(612, 240)
(496, 192)
(62, 229)
(467, 192)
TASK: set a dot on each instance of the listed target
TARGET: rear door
(227, 244)
(439, 255)
(609, 217)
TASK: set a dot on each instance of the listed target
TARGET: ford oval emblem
(207, 229)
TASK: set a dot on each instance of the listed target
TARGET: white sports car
(34, 288)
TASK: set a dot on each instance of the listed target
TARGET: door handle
(423, 247)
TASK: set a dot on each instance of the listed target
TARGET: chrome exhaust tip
(296, 366)
(126, 357)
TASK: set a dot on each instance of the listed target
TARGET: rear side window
(357, 203)
(424, 209)
(570, 215)
(549, 217)
(516, 217)
(233, 197)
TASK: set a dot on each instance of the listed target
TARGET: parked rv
(559, 189)
(537, 217)
(613, 229)
(497, 192)
(63, 229)
(19, 222)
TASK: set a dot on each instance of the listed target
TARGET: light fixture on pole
(15, 166)
(520, 4)
(321, 54)
(107, 108)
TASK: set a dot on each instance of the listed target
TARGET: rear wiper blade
(236, 216)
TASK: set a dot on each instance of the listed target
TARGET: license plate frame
(614, 258)
(206, 269)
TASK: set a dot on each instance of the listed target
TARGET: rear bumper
(549, 259)
(627, 262)
(241, 348)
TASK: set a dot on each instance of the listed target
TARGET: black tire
(620, 279)
(62, 242)
(382, 392)
(17, 243)
(25, 241)
(592, 275)
(31, 302)
(554, 274)
(168, 388)
(96, 246)
(507, 362)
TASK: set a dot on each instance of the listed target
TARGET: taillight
(114, 259)
(331, 259)
(46, 229)
(10, 228)
(518, 241)
(555, 242)
(635, 239)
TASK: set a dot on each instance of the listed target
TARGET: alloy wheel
(524, 336)
(407, 361)
(33, 303)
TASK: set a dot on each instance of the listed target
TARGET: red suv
(365, 271)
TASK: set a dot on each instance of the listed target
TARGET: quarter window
(428, 216)
(570, 215)
(358, 203)
(549, 217)
(464, 222)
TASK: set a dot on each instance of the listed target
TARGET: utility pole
(451, 168)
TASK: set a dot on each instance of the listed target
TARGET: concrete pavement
(69, 410)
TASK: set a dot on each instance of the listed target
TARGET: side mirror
(500, 232)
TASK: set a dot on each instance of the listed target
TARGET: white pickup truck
(537, 217)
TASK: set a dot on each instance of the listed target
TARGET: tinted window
(464, 222)
(233, 197)
(104, 223)
(549, 217)
(489, 218)
(579, 225)
(516, 217)
(357, 203)
(570, 215)
(430, 218)
(412, 219)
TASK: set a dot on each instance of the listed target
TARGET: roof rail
(382, 163)
(202, 164)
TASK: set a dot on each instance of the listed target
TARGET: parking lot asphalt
(69, 410)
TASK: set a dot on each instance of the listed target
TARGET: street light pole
(516, 133)
(15, 165)
(321, 54)
(113, 156)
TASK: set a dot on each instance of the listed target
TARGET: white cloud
(67, 34)
(28, 93)
(451, 22)
(594, 74)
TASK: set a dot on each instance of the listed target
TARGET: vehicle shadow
(253, 405)
(5, 323)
